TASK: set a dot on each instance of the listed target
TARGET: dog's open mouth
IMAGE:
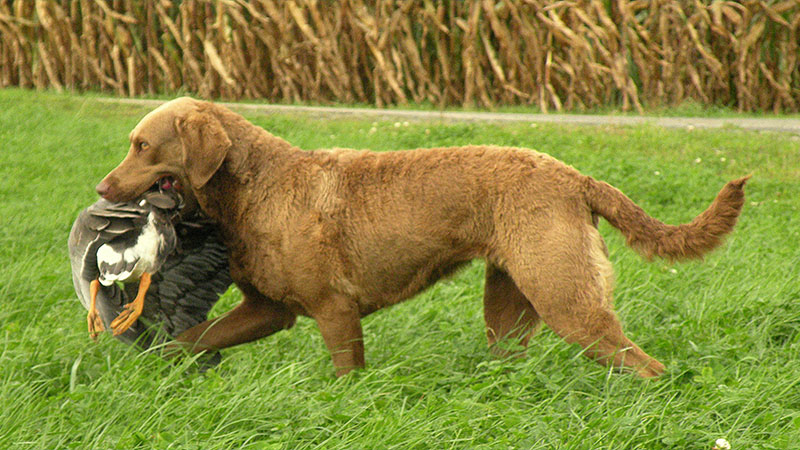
(167, 183)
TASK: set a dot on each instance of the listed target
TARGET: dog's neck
(254, 152)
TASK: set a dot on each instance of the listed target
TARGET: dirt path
(762, 124)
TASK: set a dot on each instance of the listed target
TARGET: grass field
(728, 329)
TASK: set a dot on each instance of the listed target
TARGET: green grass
(728, 329)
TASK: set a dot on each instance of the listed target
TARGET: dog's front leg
(339, 321)
(255, 317)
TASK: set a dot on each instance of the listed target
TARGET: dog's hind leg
(568, 279)
(508, 314)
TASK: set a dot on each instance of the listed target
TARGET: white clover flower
(397, 124)
(721, 444)
(656, 173)
(698, 161)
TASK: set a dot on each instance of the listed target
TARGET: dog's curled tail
(651, 237)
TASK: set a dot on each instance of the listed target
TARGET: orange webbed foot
(130, 312)
(93, 318)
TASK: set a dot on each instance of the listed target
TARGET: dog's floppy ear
(205, 145)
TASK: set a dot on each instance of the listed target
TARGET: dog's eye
(143, 146)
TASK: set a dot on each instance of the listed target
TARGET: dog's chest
(282, 267)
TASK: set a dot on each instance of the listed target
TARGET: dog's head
(181, 139)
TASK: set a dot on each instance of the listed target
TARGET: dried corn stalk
(568, 54)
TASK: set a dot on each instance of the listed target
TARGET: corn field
(556, 55)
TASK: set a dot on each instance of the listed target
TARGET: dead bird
(144, 260)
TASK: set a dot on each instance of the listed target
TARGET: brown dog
(336, 235)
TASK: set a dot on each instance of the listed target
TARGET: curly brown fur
(337, 234)
(651, 237)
